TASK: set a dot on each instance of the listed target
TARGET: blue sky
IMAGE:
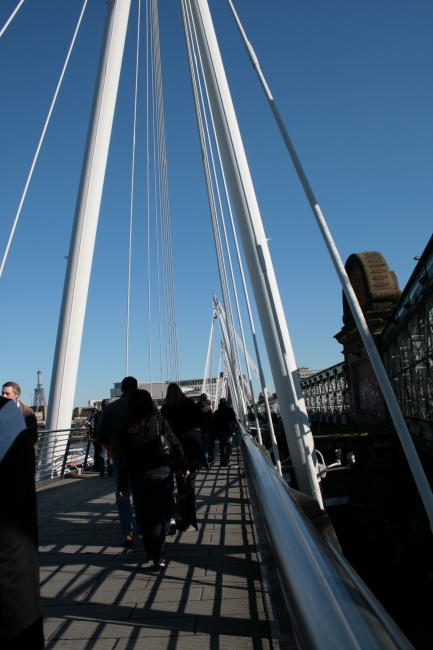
(353, 82)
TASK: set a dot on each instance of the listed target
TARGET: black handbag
(164, 451)
(186, 515)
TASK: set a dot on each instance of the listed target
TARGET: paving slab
(97, 594)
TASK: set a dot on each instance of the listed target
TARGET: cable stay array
(158, 244)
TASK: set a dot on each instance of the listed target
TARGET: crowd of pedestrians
(152, 451)
(146, 451)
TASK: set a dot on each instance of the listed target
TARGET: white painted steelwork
(261, 272)
(382, 378)
(77, 279)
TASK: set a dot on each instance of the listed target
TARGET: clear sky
(353, 82)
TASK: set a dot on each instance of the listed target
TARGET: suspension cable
(204, 139)
(41, 139)
(10, 18)
(149, 325)
(131, 198)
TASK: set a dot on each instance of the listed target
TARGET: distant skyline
(353, 83)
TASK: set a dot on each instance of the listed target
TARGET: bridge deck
(97, 594)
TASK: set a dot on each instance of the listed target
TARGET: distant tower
(39, 396)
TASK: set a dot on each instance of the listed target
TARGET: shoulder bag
(164, 451)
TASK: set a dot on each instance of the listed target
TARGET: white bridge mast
(71, 321)
(261, 271)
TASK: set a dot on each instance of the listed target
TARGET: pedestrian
(225, 425)
(11, 390)
(206, 425)
(148, 471)
(20, 606)
(101, 455)
(110, 427)
(183, 415)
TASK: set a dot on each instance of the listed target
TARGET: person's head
(11, 390)
(222, 402)
(140, 410)
(174, 395)
(104, 403)
(203, 397)
(129, 384)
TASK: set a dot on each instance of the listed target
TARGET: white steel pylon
(255, 246)
(71, 320)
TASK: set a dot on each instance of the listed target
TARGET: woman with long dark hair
(184, 415)
(149, 474)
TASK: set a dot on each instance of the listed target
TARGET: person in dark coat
(222, 416)
(20, 607)
(108, 434)
(101, 454)
(149, 474)
(206, 426)
(184, 415)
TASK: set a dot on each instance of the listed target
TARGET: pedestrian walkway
(97, 594)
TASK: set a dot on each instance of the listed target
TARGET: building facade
(406, 348)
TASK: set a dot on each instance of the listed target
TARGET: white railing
(67, 453)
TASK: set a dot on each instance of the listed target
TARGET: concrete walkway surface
(98, 594)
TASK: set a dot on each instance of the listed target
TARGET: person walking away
(20, 606)
(205, 425)
(183, 415)
(110, 427)
(101, 454)
(212, 436)
(225, 424)
(148, 472)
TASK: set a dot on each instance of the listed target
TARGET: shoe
(128, 540)
(159, 567)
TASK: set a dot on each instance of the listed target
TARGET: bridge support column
(71, 321)
(255, 246)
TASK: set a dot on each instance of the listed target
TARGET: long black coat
(137, 453)
(222, 416)
(184, 419)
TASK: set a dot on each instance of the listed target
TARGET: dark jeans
(225, 441)
(205, 436)
(101, 455)
(152, 494)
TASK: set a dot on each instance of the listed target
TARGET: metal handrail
(56, 468)
(329, 605)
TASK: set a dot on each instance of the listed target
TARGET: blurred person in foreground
(20, 608)
(148, 471)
